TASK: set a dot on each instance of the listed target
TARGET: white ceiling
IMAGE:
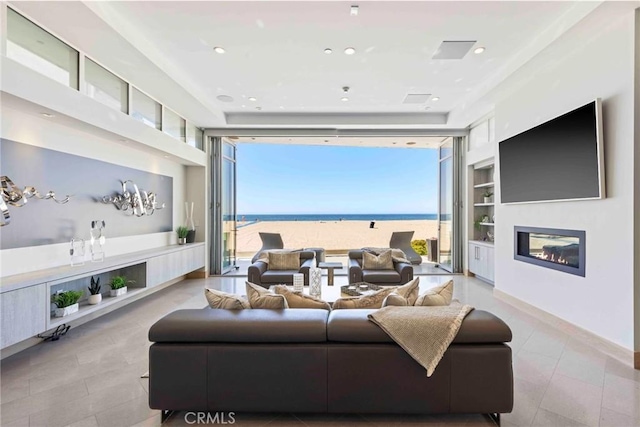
(274, 52)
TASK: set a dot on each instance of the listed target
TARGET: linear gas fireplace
(562, 250)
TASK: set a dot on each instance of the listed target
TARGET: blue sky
(309, 179)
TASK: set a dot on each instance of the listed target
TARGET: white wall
(593, 59)
(36, 130)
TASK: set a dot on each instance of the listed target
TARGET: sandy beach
(335, 236)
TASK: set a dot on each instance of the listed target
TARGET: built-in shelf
(488, 224)
(484, 185)
(483, 204)
(86, 308)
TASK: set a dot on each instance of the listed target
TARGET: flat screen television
(559, 160)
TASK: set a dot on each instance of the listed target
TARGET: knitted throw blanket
(423, 332)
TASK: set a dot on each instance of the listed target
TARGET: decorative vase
(77, 252)
(97, 240)
(182, 240)
(315, 282)
(191, 237)
(95, 299)
(298, 282)
(65, 311)
(118, 292)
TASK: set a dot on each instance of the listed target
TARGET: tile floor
(91, 377)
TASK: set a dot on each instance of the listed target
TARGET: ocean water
(251, 218)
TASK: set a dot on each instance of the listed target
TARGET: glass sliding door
(228, 207)
(449, 207)
(223, 251)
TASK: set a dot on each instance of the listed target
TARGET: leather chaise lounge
(305, 360)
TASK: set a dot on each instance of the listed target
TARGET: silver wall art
(135, 202)
(14, 196)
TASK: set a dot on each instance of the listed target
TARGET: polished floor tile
(91, 377)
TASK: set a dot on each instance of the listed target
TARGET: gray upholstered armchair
(260, 274)
(402, 272)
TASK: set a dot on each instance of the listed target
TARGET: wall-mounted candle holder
(136, 202)
(14, 196)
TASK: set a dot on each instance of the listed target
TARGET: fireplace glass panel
(554, 248)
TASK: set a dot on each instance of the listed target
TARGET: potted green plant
(182, 234)
(94, 290)
(119, 285)
(487, 195)
(66, 302)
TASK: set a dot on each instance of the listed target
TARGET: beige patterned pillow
(377, 262)
(284, 260)
(395, 300)
(300, 300)
(260, 297)
(366, 301)
(440, 295)
(223, 300)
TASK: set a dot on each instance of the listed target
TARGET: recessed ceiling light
(166, 157)
(258, 108)
(354, 10)
(344, 99)
(435, 98)
(243, 105)
(251, 98)
(478, 50)
(349, 51)
(411, 143)
(224, 98)
(47, 115)
(219, 49)
(328, 51)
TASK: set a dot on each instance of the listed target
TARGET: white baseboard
(611, 349)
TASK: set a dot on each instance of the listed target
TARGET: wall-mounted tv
(559, 160)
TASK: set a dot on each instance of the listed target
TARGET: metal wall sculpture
(14, 196)
(137, 202)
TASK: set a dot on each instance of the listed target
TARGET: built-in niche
(42, 222)
(557, 249)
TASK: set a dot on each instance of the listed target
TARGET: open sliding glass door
(223, 254)
(448, 205)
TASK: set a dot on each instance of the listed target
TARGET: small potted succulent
(66, 302)
(487, 196)
(119, 285)
(94, 290)
(183, 232)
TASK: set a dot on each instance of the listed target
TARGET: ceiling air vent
(416, 98)
(453, 49)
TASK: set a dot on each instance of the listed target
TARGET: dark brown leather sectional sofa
(304, 360)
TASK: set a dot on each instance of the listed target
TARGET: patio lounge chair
(402, 241)
(269, 241)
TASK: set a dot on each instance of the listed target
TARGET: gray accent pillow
(224, 300)
(260, 297)
(284, 260)
(377, 262)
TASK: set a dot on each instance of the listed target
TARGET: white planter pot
(118, 292)
(61, 312)
(487, 199)
(95, 299)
